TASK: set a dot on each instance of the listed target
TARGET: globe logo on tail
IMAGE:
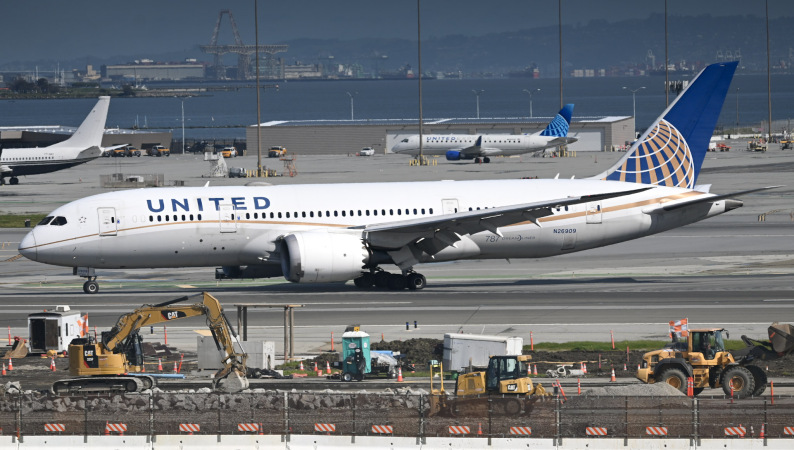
(663, 158)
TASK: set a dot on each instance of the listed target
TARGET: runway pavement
(731, 271)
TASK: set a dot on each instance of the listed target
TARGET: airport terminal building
(313, 137)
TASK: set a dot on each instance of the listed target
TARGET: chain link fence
(414, 415)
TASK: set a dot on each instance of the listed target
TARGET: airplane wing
(702, 199)
(562, 141)
(474, 150)
(433, 234)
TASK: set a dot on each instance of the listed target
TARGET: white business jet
(481, 147)
(340, 232)
(83, 146)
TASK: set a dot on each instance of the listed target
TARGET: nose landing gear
(90, 286)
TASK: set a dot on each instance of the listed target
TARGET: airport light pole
(183, 126)
(634, 100)
(737, 110)
(530, 92)
(477, 93)
(351, 102)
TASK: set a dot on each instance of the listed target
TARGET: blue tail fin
(558, 127)
(672, 149)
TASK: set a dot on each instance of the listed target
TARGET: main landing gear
(395, 282)
(12, 181)
(484, 159)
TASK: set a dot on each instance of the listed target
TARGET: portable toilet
(355, 354)
(55, 329)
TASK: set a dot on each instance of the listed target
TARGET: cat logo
(88, 353)
(512, 387)
(171, 315)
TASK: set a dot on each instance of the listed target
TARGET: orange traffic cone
(10, 364)
(625, 368)
(52, 364)
(584, 368)
(579, 386)
(763, 426)
(534, 369)
(176, 370)
(159, 364)
(613, 375)
(107, 428)
(260, 430)
(315, 366)
(479, 428)
(399, 374)
(301, 368)
(327, 368)
(4, 369)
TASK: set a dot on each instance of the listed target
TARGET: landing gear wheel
(2, 181)
(91, 287)
(382, 279)
(477, 160)
(347, 376)
(760, 379)
(416, 281)
(675, 378)
(14, 181)
(740, 379)
(486, 160)
(397, 282)
(366, 280)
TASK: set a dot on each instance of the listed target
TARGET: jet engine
(322, 257)
(453, 155)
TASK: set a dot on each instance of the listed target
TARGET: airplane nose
(28, 246)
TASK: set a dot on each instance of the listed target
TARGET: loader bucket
(234, 382)
(20, 351)
(781, 335)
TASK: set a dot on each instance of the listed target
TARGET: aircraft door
(227, 218)
(449, 205)
(594, 212)
(107, 221)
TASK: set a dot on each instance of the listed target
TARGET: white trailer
(462, 350)
(55, 329)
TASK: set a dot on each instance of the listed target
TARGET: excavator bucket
(18, 350)
(781, 335)
(234, 382)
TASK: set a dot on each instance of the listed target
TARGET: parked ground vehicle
(367, 151)
(229, 152)
(702, 356)
(786, 144)
(756, 146)
(98, 365)
(158, 150)
(237, 172)
(276, 151)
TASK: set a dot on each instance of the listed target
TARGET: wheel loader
(505, 384)
(701, 355)
(116, 362)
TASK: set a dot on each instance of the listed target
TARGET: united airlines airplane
(340, 232)
(481, 147)
(83, 146)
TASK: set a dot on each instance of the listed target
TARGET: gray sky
(56, 30)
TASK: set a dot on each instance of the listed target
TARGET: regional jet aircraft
(481, 147)
(83, 146)
(341, 232)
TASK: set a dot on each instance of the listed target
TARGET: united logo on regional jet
(663, 159)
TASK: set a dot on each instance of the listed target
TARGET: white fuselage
(491, 144)
(228, 226)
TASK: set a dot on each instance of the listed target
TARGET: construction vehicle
(506, 380)
(98, 365)
(276, 151)
(701, 355)
(158, 150)
(786, 144)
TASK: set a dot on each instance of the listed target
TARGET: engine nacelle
(322, 257)
(453, 155)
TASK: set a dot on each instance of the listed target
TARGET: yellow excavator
(107, 366)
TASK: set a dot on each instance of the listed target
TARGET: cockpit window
(59, 221)
(404, 140)
(45, 220)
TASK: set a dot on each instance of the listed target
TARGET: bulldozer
(115, 364)
(506, 381)
(701, 355)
